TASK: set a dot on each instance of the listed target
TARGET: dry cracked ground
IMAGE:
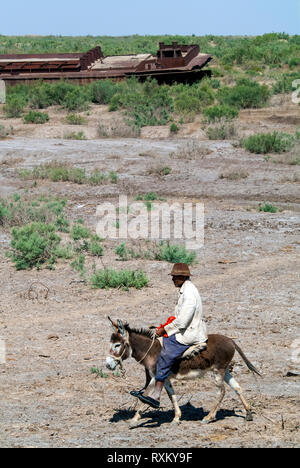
(247, 272)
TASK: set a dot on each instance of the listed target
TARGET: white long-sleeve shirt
(189, 326)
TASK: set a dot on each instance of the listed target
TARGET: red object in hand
(170, 320)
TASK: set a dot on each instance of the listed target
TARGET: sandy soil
(246, 273)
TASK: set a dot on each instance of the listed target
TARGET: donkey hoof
(249, 416)
(207, 420)
(133, 424)
(176, 422)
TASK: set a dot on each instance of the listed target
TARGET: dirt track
(247, 274)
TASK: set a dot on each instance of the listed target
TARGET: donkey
(144, 347)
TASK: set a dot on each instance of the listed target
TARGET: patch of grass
(151, 196)
(14, 106)
(125, 279)
(33, 245)
(160, 171)
(264, 143)
(78, 264)
(284, 83)
(234, 174)
(75, 119)
(64, 172)
(268, 208)
(245, 94)
(191, 150)
(75, 136)
(175, 254)
(222, 131)
(174, 129)
(98, 372)
(217, 113)
(35, 117)
(16, 211)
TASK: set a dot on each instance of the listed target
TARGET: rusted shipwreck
(171, 63)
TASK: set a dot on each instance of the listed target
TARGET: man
(186, 330)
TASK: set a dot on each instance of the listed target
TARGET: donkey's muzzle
(111, 364)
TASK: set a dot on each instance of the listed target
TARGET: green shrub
(223, 131)
(125, 279)
(174, 128)
(16, 212)
(78, 264)
(268, 208)
(15, 106)
(102, 91)
(95, 248)
(264, 143)
(80, 232)
(122, 252)
(191, 99)
(284, 84)
(294, 62)
(215, 84)
(214, 113)
(174, 254)
(75, 136)
(74, 119)
(76, 99)
(41, 95)
(245, 94)
(34, 244)
(35, 117)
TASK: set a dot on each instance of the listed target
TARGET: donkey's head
(119, 345)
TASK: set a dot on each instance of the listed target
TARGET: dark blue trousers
(172, 350)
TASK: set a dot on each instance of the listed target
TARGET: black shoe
(149, 401)
(136, 393)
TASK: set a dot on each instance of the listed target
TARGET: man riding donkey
(187, 328)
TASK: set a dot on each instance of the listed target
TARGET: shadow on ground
(157, 418)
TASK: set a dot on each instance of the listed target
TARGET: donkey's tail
(246, 360)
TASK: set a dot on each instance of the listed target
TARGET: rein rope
(120, 360)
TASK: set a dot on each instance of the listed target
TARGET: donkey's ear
(121, 328)
(113, 324)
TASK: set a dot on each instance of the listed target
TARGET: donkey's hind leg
(238, 390)
(219, 380)
(171, 394)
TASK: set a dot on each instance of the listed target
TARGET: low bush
(284, 83)
(15, 106)
(35, 117)
(75, 136)
(125, 279)
(244, 95)
(234, 174)
(264, 143)
(34, 244)
(75, 119)
(268, 208)
(102, 91)
(175, 254)
(217, 113)
(222, 131)
(16, 211)
(192, 99)
(174, 128)
(76, 99)
(64, 172)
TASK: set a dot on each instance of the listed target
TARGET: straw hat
(180, 269)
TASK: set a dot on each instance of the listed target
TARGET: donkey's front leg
(141, 407)
(171, 394)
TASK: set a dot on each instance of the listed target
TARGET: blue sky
(126, 17)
